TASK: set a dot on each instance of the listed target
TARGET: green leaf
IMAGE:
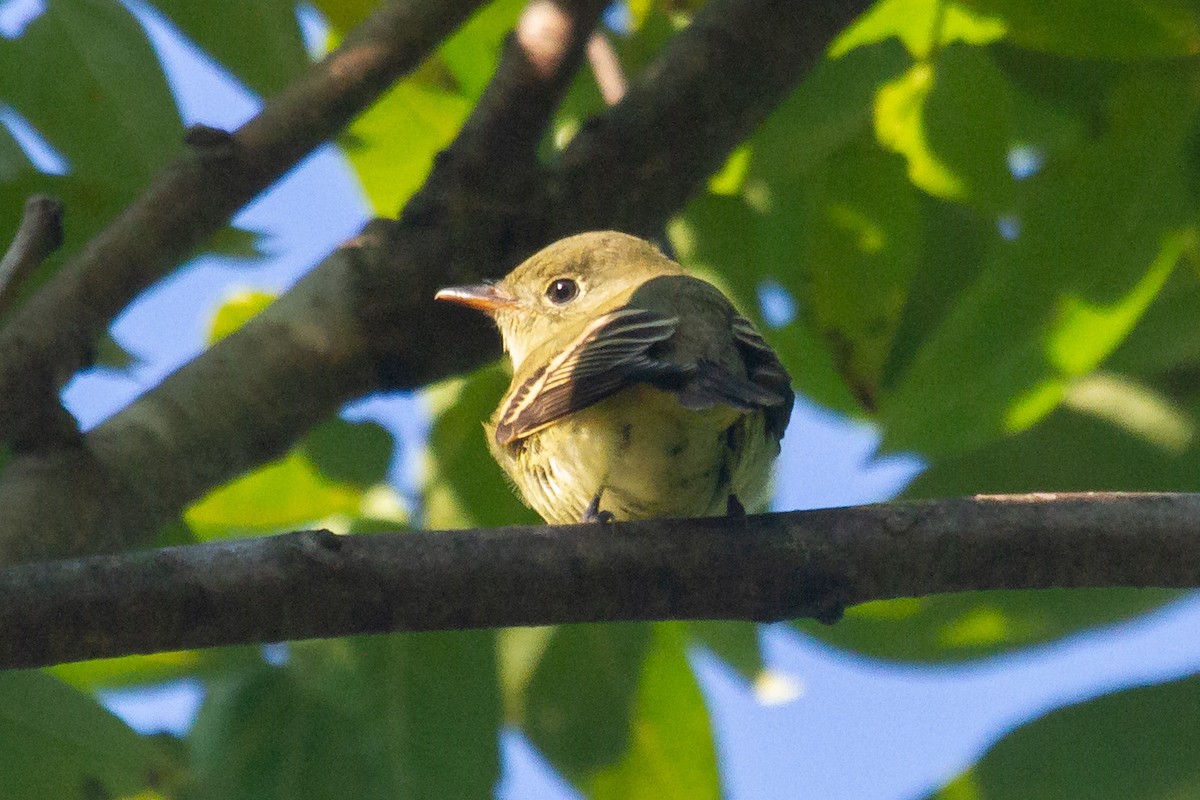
(1099, 236)
(957, 627)
(617, 710)
(357, 453)
(465, 487)
(716, 238)
(258, 41)
(396, 717)
(58, 742)
(242, 306)
(471, 54)
(286, 494)
(1114, 29)
(734, 642)
(859, 256)
(579, 703)
(85, 77)
(671, 753)
(950, 118)
(1138, 744)
(830, 109)
(922, 25)
(391, 146)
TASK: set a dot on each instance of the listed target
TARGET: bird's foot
(593, 513)
(734, 507)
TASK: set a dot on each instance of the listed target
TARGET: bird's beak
(484, 297)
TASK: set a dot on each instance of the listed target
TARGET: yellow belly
(646, 456)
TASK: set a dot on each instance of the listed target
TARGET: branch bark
(51, 336)
(763, 568)
(365, 320)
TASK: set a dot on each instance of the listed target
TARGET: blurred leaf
(404, 716)
(465, 487)
(734, 642)
(394, 141)
(956, 627)
(13, 162)
(358, 453)
(471, 54)
(258, 41)
(110, 355)
(671, 752)
(950, 118)
(58, 742)
(716, 234)
(285, 494)
(236, 311)
(84, 75)
(1139, 744)
(1098, 237)
(237, 244)
(1167, 336)
(921, 25)
(617, 710)
(859, 256)
(343, 15)
(1115, 29)
(579, 703)
(831, 108)
(1065, 452)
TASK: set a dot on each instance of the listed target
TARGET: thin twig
(39, 234)
(769, 567)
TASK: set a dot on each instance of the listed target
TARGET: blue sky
(854, 728)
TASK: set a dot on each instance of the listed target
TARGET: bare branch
(39, 234)
(51, 336)
(769, 567)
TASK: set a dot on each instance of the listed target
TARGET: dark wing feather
(766, 371)
(610, 354)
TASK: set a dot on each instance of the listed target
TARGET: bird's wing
(766, 371)
(610, 354)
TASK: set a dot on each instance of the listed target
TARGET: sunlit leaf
(1096, 241)
(950, 118)
(921, 25)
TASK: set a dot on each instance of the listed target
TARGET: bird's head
(557, 291)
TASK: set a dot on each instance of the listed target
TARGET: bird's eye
(561, 291)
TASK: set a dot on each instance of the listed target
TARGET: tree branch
(51, 336)
(365, 320)
(764, 568)
(39, 234)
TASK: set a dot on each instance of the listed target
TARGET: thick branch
(770, 567)
(365, 319)
(51, 335)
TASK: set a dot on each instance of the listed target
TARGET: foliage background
(974, 225)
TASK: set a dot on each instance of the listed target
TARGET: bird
(638, 390)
